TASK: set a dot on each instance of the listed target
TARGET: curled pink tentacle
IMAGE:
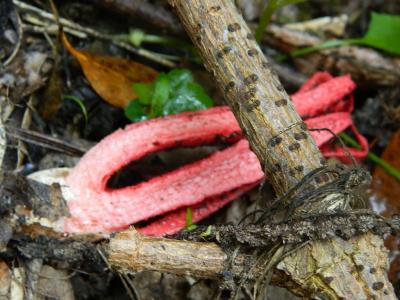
(326, 97)
(205, 185)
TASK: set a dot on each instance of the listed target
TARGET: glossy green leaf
(179, 77)
(383, 33)
(160, 95)
(144, 92)
(135, 111)
(171, 93)
(196, 91)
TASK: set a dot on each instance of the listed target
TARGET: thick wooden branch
(264, 110)
(279, 139)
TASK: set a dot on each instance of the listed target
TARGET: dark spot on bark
(386, 292)
(294, 146)
(229, 86)
(250, 36)
(300, 136)
(250, 106)
(198, 38)
(199, 26)
(251, 79)
(372, 270)
(276, 168)
(303, 126)
(359, 268)
(282, 102)
(299, 168)
(227, 49)
(233, 27)
(220, 54)
(322, 161)
(292, 172)
(163, 247)
(251, 93)
(280, 88)
(266, 65)
(254, 77)
(378, 285)
(328, 279)
(275, 141)
(252, 52)
(214, 9)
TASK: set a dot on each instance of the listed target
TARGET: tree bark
(277, 135)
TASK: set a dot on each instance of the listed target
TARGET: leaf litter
(138, 89)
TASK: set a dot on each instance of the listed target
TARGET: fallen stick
(269, 121)
(364, 64)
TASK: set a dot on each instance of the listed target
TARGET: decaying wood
(364, 64)
(275, 132)
(321, 227)
(153, 14)
(129, 251)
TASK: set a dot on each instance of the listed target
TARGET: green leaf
(383, 33)
(171, 93)
(135, 111)
(160, 95)
(189, 224)
(189, 97)
(179, 77)
(144, 92)
(195, 90)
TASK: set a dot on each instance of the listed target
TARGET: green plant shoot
(383, 34)
(189, 224)
(170, 93)
(267, 13)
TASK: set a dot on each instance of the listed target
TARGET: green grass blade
(81, 106)
(391, 170)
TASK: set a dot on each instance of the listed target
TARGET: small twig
(18, 46)
(72, 25)
(45, 141)
(51, 28)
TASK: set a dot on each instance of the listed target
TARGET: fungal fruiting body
(205, 185)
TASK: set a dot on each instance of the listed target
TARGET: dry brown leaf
(387, 191)
(111, 77)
